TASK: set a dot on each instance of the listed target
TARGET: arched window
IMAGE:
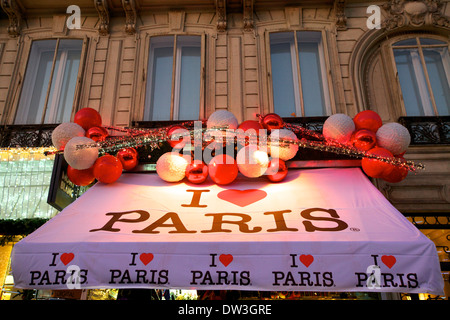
(423, 72)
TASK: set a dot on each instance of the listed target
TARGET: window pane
(189, 96)
(438, 66)
(160, 72)
(311, 73)
(412, 82)
(407, 42)
(37, 79)
(282, 75)
(428, 41)
(64, 82)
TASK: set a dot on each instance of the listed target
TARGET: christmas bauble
(397, 174)
(222, 119)
(272, 121)
(282, 144)
(251, 161)
(171, 167)
(107, 169)
(88, 118)
(80, 154)
(338, 127)
(128, 157)
(97, 133)
(364, 139)
(81, 177)
(223, 169)
(196, 171)
(368, 119)
(176, 135)
(64, 132)
(277, 170)
(393, 137)
(376, 168)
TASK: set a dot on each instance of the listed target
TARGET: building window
(423, 69)
(174, 78)
(299, 75)
(50, 82)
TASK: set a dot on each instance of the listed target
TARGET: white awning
(318, 230)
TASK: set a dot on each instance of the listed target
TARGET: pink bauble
(281, 146)
(393, 137)
(338, 127)
(80, 153)
(251, 161)
(64, 132)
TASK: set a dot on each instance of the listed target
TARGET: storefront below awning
(318, 230)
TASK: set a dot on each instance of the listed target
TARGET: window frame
(176, 73)
(390, 46)
(325, 71)
(24, 67)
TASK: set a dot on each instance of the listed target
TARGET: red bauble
(250, 132)
(368, 119)
(272, 121)
(128, 157)
(180, 132)
(376, 168)
(107, 169)
(81, 177)
(88, 118)
(277, 170)
(364, 139)
(196, 171)
(397, 174)
(97, 134)
(223, 169)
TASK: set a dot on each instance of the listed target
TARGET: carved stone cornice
(221, 12)
(15, 16)
(341, 18)
(414, 13)
(129, 6)
(248, 15)
(103, 13)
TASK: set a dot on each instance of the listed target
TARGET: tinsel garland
(138, 137)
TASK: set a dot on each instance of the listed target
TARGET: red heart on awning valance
(389, 261)
(66, 258)
(146, 258)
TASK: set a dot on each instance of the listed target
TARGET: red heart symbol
(242, 198)
(146, 258)
(226, 259)
(306, 259)
(389, 261)
(66, 258)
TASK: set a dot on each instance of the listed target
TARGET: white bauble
(222, 118)
(171, 167)
(338, 127)
(252, 162)
(281, 150)
(80, 158)
(64, 132)
(393, 137)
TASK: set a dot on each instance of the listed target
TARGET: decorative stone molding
(221, 12)
(248, 15)
(15, 16)
(103, 13)
(414, 13)
(129, 6)
(339, 10)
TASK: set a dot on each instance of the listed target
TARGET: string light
(138, 137)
